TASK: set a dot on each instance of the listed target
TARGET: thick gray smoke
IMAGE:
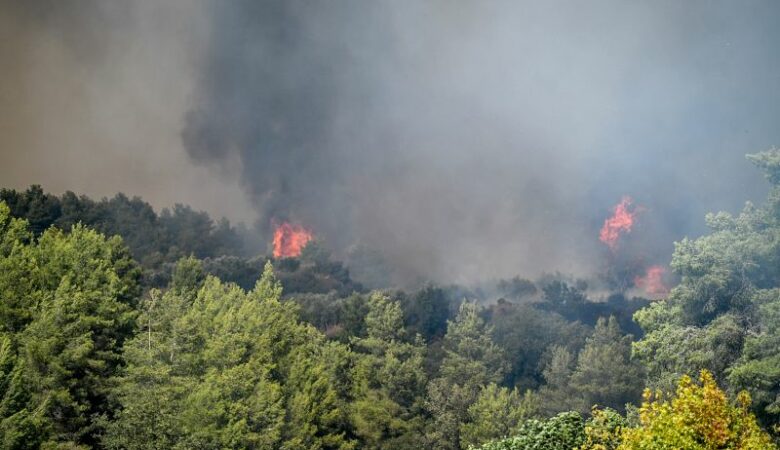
(459, 139)
(92, 99)
(466, 139)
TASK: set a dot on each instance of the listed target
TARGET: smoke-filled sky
(460, 139)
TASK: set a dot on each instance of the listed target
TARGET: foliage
(67, 308)
(316, 272)
(604, 430)
(426, 312)
(516, 288)
(471, 361)
(603, 373)
(389, 380)
(723, 315)
(527, 334)
(497, 413)
(214, 355)
(758, 368)
(696, 417)
(227, 368)
(558, 394)
(298, 276)
(564, 431)
(152, 239)
(571, 302)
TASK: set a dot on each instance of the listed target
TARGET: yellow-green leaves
(698, 416)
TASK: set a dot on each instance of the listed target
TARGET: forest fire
(621, 222)
(289, 240)
(652, 282)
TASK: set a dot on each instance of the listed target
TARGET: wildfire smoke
(652, 282)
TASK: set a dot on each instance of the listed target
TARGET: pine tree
(67, 308)
(605, 374)
(471, 362)
(389, 380)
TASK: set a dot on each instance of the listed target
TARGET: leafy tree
(233, 269)
(720, 317)
(324, 311)
(67, 309)
(316, 416)
(185, 230)
(17, 268)
(571, 302)
(353, 315)
(517, 288)
(562, 296)
(497, 412)
(605, 374)
(604, 430)
(526, 334)
(137, 223)
(389, 380)
(471, 361)
(426, 312)
(558, 394)
(696, 417)
(670, 350)
(564, 431)
(758, 368)
(188, 277)
(153, 239)
(313, 272)
(472, 358)
(228, 369)
(21, 427)
(40, 209)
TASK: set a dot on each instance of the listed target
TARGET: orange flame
(289, 240)
(621, 222)
(652, 283)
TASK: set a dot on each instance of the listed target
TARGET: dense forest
(122, 328)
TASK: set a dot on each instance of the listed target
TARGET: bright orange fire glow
(652, 283)
(289, 240)
(621, 222)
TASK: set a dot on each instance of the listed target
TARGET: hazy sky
(92, 99)
(461, 139)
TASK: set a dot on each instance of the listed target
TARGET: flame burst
(289, 240)
(652, 283)
(621, 222)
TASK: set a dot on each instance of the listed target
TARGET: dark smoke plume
(473, 138)
(455, 139)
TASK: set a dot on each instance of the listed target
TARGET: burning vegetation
(439, 250)
(289, 240)
(630, 268)
(652, 281)
(620, 223)
(548, 338)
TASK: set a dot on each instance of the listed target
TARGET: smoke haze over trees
(389, 225)
(457, 140)
(91, 356)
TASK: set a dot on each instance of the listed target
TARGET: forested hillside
(157, 240)
(121, 328)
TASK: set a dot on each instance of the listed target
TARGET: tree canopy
(723, 317)
(124, 329)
